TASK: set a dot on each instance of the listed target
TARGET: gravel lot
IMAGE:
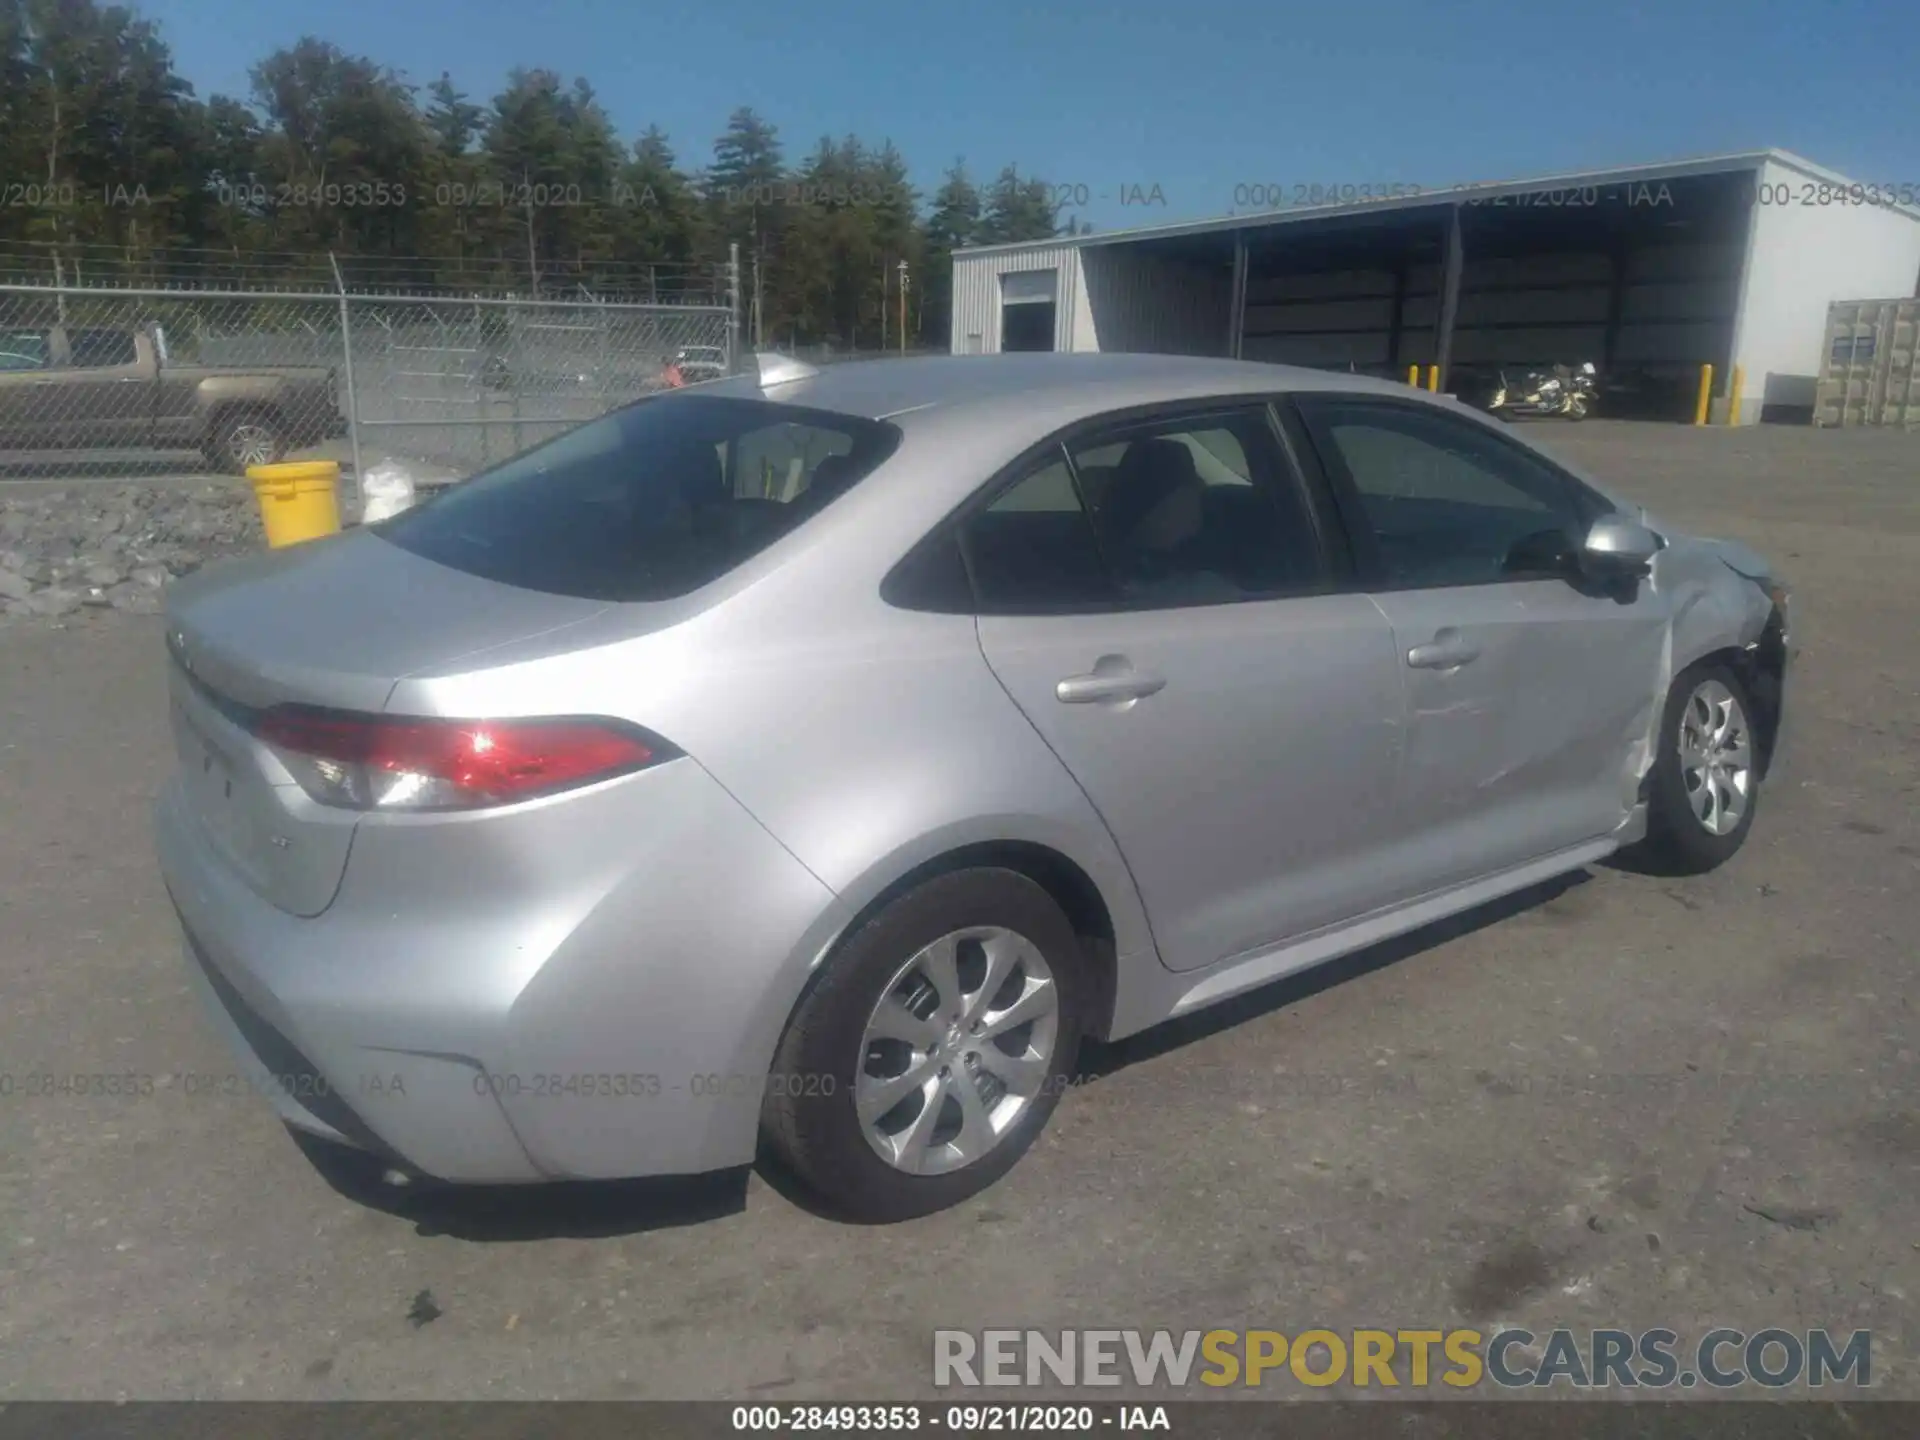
(1625, 1101)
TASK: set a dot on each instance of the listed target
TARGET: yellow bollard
(1433, 377)
(1706, 395)
(1733, 395)
(1413, 376)
(298, 500)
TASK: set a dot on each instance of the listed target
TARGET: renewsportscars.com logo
(1721, 1359)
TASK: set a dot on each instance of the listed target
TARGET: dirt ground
(1623, 1101)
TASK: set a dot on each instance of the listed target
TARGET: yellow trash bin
(298, 500)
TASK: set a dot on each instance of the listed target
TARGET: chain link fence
(108, 381)
(466, 383)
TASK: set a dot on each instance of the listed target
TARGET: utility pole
(758, 300)
(733, 307)
(883, 305)
(533, 249)
(903, 307)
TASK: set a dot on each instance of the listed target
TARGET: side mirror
(1618, 546)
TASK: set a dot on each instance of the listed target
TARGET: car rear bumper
(555, 992)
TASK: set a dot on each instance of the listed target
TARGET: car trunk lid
(335, 623)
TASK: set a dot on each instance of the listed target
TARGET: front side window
(1444, 502)
(649, 502)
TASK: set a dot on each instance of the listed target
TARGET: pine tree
(332, 151)
(661, 224)
(1018, 210)
(345, 130)
(953, 225)
(747, 206)
(551, 164)
(96, 130)
(455, 121)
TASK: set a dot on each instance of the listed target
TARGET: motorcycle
(1559, 393)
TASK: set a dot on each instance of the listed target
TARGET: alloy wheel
(252, 443)
(957, 1050)
(1716, 757)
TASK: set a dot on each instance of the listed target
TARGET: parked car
(116, 389)
(619, 807)
(700, 362)
(615, 379)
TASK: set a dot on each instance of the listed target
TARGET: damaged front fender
(1728, 601)
(1718, 593)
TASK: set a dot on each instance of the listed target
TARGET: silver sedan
(820, 756)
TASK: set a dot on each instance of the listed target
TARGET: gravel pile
(106, 546)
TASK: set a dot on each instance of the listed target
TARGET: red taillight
(377, 762)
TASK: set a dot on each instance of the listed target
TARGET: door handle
(1448, 650)
(1116, 684)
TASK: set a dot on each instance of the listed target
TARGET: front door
(1529, 692)
(1156, 601)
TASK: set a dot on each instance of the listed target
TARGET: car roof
(1064, 387)
(1032, 395)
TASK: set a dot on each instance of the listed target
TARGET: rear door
(1529, 693)
(1156, 597)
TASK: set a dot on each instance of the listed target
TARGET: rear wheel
(1705, 784)
(244, 438)
(932, 1050)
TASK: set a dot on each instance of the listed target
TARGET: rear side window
(647, 503)
(94, 349)
(1197, 510)
(1189, 511)
(1033, 548)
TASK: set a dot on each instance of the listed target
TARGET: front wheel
(932, 1049)
(1705, 783)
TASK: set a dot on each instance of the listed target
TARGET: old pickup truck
(82, 388)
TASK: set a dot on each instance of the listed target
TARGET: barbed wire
(199, 268)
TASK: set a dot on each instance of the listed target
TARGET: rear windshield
(649, 502)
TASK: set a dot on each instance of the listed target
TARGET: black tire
(1678, 842)
(808, 1118)
(247, 437)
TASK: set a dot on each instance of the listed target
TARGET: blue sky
(1196, 97)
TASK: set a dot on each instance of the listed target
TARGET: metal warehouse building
(1650, 272)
